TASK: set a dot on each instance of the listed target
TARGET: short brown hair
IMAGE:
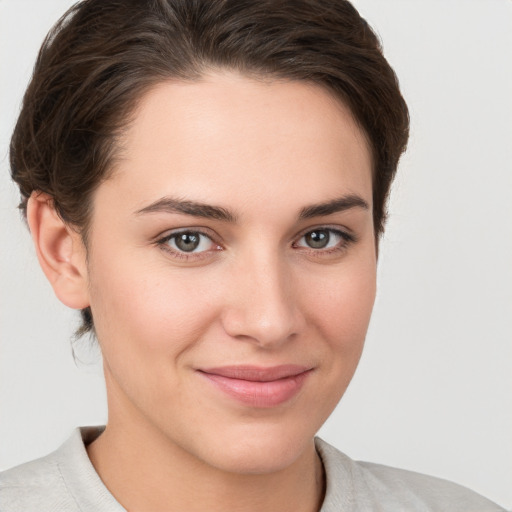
(102, 55)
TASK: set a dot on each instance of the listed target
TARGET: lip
(258, 386)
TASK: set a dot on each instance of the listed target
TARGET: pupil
(187, 241)
(317, 239)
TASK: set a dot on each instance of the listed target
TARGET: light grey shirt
(65, 481)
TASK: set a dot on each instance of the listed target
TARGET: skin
(254, 293)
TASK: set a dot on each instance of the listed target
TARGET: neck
(146, 475)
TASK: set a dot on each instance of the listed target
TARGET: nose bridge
(262, 304)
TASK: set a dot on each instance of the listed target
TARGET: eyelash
(347, 239)
(182, 255)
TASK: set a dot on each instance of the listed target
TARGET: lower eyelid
(186, 256)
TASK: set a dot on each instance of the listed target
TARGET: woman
(207, 184)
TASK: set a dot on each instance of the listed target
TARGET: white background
(434, 389)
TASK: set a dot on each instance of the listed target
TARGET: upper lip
(257, 373)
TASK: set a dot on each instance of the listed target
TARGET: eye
(188, 242)
(324, 238)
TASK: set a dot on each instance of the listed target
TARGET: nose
(261, 305)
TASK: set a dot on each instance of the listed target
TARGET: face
(232, 267)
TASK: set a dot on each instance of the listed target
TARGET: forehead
(227, 132)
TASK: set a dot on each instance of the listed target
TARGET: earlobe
(60, 251)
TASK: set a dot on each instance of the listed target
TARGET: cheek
(146, 308)
(148, 323)
(341, 309)
(339, 313)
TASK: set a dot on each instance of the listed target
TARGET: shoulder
(354, 485)
(63, 481)
(35, 486)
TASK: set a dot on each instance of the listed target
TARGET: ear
(60, 251)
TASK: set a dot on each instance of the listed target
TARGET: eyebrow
(194, 208)
(207, 211)
(334, 206)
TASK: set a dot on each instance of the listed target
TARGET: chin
(258, 450)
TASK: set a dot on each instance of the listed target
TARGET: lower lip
(259, 394)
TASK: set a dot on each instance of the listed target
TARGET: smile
(258, 387)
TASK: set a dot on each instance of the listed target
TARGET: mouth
(258, 386)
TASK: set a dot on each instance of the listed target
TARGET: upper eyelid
(166, 235)
(334, 228)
